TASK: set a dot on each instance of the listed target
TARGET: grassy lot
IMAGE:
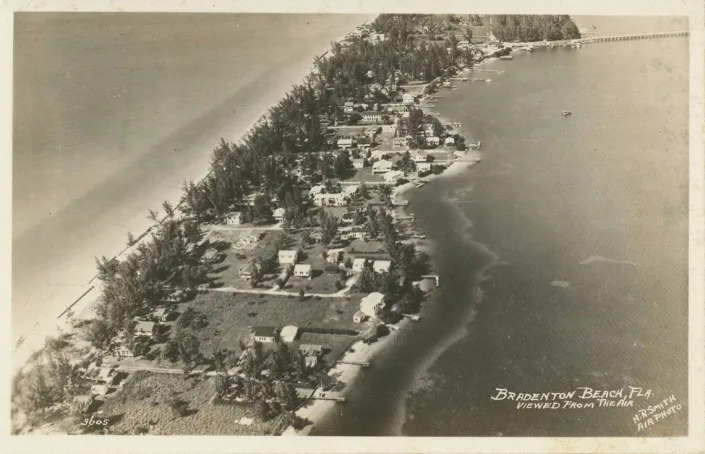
(365, 176)
(242, 251)
(143, 404)
(230, 315)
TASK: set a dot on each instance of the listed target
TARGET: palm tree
(153, 216)
(168, 209)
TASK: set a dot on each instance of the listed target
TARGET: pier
(602, 39)
(355, 363)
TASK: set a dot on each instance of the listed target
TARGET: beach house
(289, 333)
(393, 176)
(234, 218)
(346, 142)
(334, 255)
(145, 329)
(358, 265)
(381, 166)
(372, 117)
(372, 304)
(399, 142)
(278, 214)
(381, 266)
(265, 334)
(303, 270)
(423, 167)
(287, 256)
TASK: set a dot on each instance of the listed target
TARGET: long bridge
(600, 39)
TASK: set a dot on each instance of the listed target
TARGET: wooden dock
(355, 363)
(603, 39)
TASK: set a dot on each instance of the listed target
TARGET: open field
(143, 406)
(230, 316)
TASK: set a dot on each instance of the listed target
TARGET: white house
(389, 129)
(288, 333)
(382, 166)
(263, 333)
(279, 214)
(350, 189)
(288, 256)
(339, 199)
(122, 350)
(334, 255)
(234, 218)
(423, 167)
(371, 117)
(381, 266)
(346, 142)
(144, 328)
(392, 176)
(358, 163)
(449, 141)
(358, 265)
(376, 37)
(420, 156)
(302, 270)
(372, 303)
(349, 107)
(407, 98)
(161, 314)
(317, 189)
(399, 142)
(210, 256)
(433, 141)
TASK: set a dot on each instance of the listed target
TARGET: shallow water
(597, 200)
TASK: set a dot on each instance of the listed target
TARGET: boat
(506, 57)
(565, 113)
(488, 80)
(529, 48)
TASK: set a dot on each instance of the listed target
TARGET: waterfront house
(381, 266)
(359, 317)
(265, 334)
(393, 176)
(420, 156)
(302, 270)
(289, 333)
(234, 218)
(407, 98)
(449, 141)
(372, 304)
(288, 256)
(382, 166)
(358, 265)
(371, 117)
(334, 255)
(358, 163)
(279, 214)
(423, 167)
(433, 141)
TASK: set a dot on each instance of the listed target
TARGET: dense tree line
(534, 28)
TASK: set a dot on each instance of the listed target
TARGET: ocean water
(563, 255)
(112, 112)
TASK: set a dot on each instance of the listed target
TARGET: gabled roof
(263, 331)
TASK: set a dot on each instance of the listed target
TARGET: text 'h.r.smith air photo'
(449, 225)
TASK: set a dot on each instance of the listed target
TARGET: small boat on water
(506, 57)
(488, 80)
(529, 48)
(565, 113)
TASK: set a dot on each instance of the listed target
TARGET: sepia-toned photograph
(387, 224)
